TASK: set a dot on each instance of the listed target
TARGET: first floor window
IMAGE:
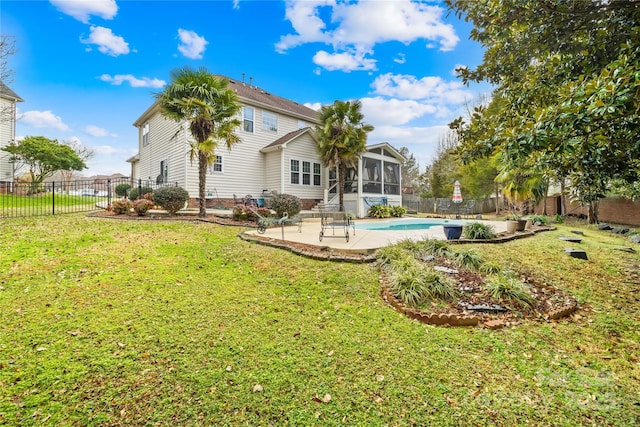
(163, 177)
(306, 173)
(316, 174)
(295, 171)
(217, 165)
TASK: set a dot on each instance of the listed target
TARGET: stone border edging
(329, 256)
(432, 318)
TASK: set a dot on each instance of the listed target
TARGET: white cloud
(380, 111)
(118, 79)
(314, 106)
(43, 119)
(98, 131)
(83, 9)
(105, 150)
(431, 88)
(401, 136)
(359, 26)
(400, 59)
(107, 42)
(191, 44)
(345, 61)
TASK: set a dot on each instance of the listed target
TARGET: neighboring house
(276, 154)
(8, 101)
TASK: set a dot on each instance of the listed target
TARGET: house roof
(7, 93)
(255, 95)
(387, 147)
(285, 139)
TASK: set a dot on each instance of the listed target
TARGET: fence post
(139, 187)
(108, 192)
(53, 198)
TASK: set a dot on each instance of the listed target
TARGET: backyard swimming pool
(407, 224)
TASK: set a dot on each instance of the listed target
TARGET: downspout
(281, 170)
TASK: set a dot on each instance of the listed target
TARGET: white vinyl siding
(245, 169)
(7, 135)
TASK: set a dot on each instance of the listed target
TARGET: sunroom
(375, 180)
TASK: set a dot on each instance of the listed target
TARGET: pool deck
(362, 240)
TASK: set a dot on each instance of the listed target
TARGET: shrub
(288, 203)
(379, 211)
(122, 190)
(133, 194)
(477, 230)
(509, 288)
(121, 206)
(244, 213)
(142, 206)
(388, 255)
(172, 199)
(397, 211)
(559, 219)
(539, 219)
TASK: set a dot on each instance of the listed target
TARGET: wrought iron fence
(20, 199)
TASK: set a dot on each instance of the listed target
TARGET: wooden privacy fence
(428, 205)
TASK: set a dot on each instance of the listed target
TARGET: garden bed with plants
(429, 281)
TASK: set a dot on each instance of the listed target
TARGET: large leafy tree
(342, 138)
(43, 157)
(210, 108)
(567, 77)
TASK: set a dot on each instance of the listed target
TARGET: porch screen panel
(391, 178)
(371, 175)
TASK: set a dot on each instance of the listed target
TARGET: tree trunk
(593, 211)
(202, 182)
(563, 202)
(497, 199)
(341, 173)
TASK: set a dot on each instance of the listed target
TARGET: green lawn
(45, 204)
(107, 322)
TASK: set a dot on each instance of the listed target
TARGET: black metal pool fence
(25, 199)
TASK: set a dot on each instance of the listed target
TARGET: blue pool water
(406, 224)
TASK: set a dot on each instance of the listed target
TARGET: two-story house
(276, 153)
(8, 102)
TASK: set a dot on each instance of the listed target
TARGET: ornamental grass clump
(466, 258)
(508, 288)
(478, 231)
(433, 247)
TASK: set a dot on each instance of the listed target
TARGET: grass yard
(44, 204)
(108, 322)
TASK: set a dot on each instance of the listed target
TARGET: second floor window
(269, 121)
(145, 134)
(247, 119)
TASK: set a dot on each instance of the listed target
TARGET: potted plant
(452, 231)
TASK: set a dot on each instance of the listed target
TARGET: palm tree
(210, 107)
(342, 138)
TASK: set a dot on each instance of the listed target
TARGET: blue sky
(87, 69)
